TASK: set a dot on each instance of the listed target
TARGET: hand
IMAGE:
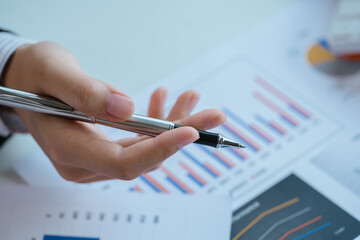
(80, 151)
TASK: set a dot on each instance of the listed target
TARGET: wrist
(10, 46)
(12, 70)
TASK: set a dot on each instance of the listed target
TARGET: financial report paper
(294, 120)
(43, 213)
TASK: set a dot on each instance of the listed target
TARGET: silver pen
(137, 123)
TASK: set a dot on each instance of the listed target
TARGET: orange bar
(214, 170)
(153, 181)
(197, 176)
(138, 189)
(224, 159)
(173, 177)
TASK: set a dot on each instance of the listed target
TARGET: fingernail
(119, 106)
(187, 140)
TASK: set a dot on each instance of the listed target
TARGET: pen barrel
(140, 124)
(206, 138)
(41, 104)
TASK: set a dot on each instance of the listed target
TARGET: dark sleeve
(3, 139)
(4, 30)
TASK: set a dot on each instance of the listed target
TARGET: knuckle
(58, 157)
(126, 175)
(166, 153)
(129, 177)
(83, 92)
(67, 175)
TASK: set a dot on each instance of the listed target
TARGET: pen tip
(230, 143)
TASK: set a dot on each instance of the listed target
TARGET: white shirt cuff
(8, 45)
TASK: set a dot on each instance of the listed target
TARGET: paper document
(273, 124)
(287, 112)
(291, 209)
(62, 214)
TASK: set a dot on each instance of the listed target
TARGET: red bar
(275, 108)
(153, 181)
(271, 89)
(138, 189)
(175, 179)
(240, 153)
(280, 95)
(351, 57)
(224, 159)
(289, 119)
(241, 135)
(262, 133)
(298, 108)
(278, 127)
(194, 174)
(211, 168)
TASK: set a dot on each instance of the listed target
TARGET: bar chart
(292, 210)
(77, 223)
(73, 214)
(275, 123)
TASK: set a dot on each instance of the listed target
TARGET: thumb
(92, 97)
(47, 68)
(60, 76)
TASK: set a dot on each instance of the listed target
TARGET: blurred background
(131, 44)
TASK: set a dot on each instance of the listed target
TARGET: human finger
(95, 178)
(73, 174)
(184, 105)
(143, 156)
(204, 120)
(157, 102)
(62, 77)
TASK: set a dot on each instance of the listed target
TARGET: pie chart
(321, 57)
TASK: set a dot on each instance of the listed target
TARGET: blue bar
(245, 125)
(198, 163)
(235, 154)
(53, 237)
(235, 117)
(260, 135)
(243, 141)
(297, 112)
(214, 156)
(264, 139)
(195, 180)
(267, 124)
(313, 231)
(176, 185)
(324, 44)
(150, 184)
(287, 121)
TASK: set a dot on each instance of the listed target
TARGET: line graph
(300, 227)
(291, 209)
(264, 214)
(284, 220)
(313, 231)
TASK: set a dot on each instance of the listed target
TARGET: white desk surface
(130, 44)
